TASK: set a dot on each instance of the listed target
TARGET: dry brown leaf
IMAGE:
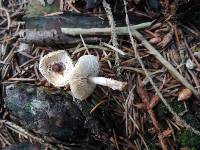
(155, 40)
(184, 94)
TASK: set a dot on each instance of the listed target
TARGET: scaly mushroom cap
(55, 67)
(86, 66)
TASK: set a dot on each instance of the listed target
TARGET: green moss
(187, 139)
(178, 106)
(192, 120)
(50, 8)
(36, 9)
(197, 49)
(162, 112)
(150, 141)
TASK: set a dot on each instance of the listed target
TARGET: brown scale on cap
(58, 67)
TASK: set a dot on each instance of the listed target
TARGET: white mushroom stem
(113, 84)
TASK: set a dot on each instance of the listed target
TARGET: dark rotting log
(46, 30)
(51, 37)
(67, 19)
(24, 146)
(54, 115)
(49, 113)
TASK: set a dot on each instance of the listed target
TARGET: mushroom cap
(55, 67)
(87, 65)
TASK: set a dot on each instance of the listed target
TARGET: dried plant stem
(113, 84)
(114, 48)
(97, 105)
(103, 31)
(113, 28)
(191, 54)
(8, 17)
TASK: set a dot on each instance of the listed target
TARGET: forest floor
(159, 60)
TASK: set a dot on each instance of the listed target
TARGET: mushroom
(83, 78)
(55, 67)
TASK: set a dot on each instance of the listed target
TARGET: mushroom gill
(55, 67)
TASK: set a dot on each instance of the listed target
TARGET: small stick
(4, 140)
(72, 7)
(113, 29)
(115, 140)
(103, 31)
(84, 44)
(55, 13)
(114, 48)
(145, 144)
(21, 79)
(90, 47)
(191, 54)
(8, 17)
(96, 106)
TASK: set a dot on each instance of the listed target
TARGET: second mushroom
(84, 77)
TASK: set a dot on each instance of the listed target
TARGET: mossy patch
(162, 112)
(184, 137)
(188, 139)
(192, 120)
(36, 9)
(197, 49)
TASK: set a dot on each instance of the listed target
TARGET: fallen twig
(8, 17)
(103, 31)
(114, 48)
(113, 28)
(191, 54)
(21, 79)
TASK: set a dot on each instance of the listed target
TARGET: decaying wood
(66, 20)
(55, 37)
(47, 30)
(50, 37)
